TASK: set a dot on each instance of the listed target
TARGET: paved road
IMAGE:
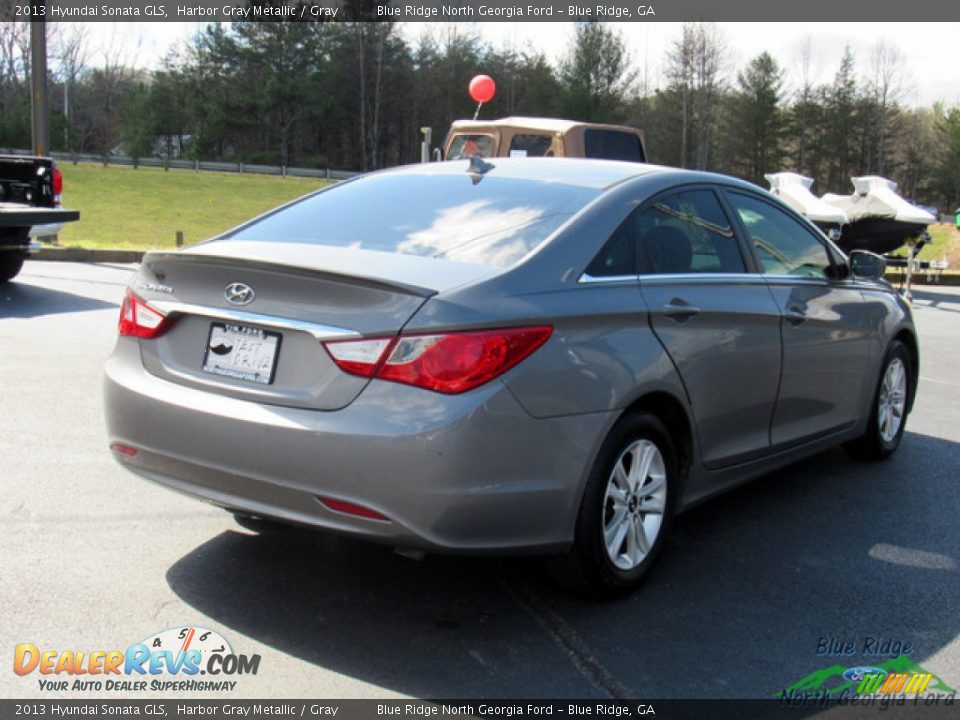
(94, 558)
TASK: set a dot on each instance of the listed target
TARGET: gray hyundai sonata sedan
(522, 355)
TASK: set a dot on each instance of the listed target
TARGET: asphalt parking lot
(748, 586)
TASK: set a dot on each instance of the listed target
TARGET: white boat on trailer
(873, 218)
(794, 190)
(879, 219)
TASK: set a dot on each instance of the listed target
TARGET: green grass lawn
(944, 242)
(142, 209)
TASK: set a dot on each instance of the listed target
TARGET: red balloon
(483, 88)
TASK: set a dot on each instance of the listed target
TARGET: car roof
(579, 172)
(556, 125)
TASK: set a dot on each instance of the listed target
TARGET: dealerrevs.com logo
(183, 659)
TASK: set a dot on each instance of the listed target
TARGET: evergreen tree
(755, 120)
(596, 76)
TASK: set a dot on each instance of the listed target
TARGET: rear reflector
(448, 363)
(124, 449)
(140, 320)
(348, 508)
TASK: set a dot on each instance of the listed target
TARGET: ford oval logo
(855, 674)
(239, 294)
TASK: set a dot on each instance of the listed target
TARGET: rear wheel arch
(673, 414)
(625, 510)
(669, 410)
(910, 341)
(889, 407)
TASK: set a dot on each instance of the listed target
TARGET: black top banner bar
(478, 10)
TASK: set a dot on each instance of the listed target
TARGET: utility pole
(38, 80)
(66, 113)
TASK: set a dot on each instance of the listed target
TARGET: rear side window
(618, 257)
(687, 232)
(784, 245)
(530, 145)
(495, 221)
(612, 145)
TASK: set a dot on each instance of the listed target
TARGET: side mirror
(867, 265)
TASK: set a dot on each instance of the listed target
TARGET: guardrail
(195, 165)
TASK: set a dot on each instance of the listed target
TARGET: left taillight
(448, 363)
(138, 319)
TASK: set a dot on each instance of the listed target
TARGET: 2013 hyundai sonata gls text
(537, 355)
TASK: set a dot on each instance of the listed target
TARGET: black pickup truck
(30, 189)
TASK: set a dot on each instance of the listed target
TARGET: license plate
(241, 352)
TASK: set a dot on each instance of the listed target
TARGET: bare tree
(14, 63)
(695, 66)
(679, 72)
(917, 151)
(69, 43)
(99, 99)
(370, 39)
(711, 58)
(806, 129)
(886, 89)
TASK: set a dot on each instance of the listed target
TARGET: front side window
(686, 232)
(784, 245)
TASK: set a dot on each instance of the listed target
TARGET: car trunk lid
(266, 344)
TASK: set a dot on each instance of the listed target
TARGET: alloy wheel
(893, 400)
(634, 504)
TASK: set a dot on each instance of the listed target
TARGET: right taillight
(57, 186)
(448, 363)
(138, 319)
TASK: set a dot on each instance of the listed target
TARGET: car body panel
(192, 289)
(502, 467)
(405, 273)
(826, 351)
(451, 472)
(727, 353)
(600, 358)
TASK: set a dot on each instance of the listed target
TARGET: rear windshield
(464, 147)
(495, 221)
(612, 145)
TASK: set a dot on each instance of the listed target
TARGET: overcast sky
(928, 49)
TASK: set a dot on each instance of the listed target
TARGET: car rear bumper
(464, 473)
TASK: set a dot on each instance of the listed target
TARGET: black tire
(872, 445)
(588, 569)
(11, 261)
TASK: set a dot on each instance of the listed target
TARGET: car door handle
(680, 309)
(795, 315)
